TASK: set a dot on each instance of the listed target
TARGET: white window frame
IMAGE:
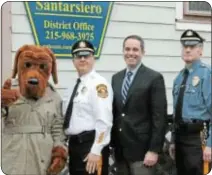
(195, 13)
(182, 24)
(6, 49)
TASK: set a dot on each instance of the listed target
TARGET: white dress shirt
(92, 109)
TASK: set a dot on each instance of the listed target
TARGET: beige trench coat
(30, 131)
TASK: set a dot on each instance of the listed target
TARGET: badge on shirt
(102, 90)
(84, 89)
(195, 80)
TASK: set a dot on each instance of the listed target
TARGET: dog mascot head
(34, 65)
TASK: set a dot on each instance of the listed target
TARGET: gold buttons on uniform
(123, 114)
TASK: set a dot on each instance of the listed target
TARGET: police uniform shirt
(92, 109)
(197, 95)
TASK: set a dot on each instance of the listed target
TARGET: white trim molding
(182, 24)
(6, 52)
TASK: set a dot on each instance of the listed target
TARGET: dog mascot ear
(54, 67)
(15, 66)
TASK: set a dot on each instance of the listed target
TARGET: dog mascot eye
(43, 66)
(27, 64)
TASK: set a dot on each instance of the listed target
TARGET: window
(193, 14)
(197, 10)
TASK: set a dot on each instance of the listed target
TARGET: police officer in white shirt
(88, 116)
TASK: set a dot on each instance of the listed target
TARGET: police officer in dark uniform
(191, 146)
(88, 115)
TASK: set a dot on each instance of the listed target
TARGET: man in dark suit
(140, 110)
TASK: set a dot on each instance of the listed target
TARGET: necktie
(126, 86)
(179, 103)
(70, 105)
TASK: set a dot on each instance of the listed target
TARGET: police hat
(191, 38)
(82, 48)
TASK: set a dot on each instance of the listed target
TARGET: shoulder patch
(102, 90)
(101, 137)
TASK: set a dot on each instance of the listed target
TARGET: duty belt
(190, 127)
(82, 137)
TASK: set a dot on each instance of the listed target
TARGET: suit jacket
(139, 125)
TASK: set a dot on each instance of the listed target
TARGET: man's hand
(92, 162)
(207, 154)
(172, 151)
(150, 158)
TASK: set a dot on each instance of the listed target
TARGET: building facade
(159, 23)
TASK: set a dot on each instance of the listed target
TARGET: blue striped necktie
(126, 86)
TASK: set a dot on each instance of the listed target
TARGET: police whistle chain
(204, 135)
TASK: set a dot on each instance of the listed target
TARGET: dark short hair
(140, 39)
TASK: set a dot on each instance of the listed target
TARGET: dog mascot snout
(33, 141)
(33, 81)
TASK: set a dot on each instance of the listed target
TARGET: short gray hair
(140, 39)
(199, 45)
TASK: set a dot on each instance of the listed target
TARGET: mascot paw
(58, 161)
(8, 95)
